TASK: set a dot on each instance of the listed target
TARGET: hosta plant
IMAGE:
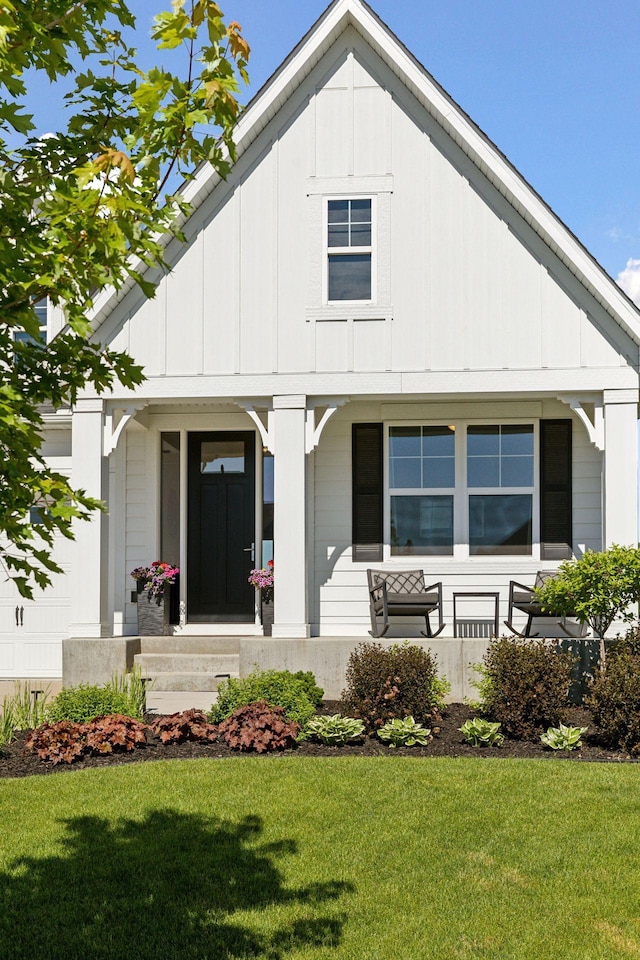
(404, 733)
(482, 733)
(563, 738)
(334, 731)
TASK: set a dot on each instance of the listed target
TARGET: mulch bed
(448, 742)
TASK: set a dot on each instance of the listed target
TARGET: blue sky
(554, 84)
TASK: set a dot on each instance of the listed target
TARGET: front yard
(292, 857)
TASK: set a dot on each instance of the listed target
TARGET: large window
(500, 480)
(349, 249)
(421, 484)
(470, 485)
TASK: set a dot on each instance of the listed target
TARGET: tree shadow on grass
(164, 887)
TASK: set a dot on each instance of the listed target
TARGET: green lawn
(355, 859)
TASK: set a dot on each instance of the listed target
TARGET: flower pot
(266, 616)
(153, 615)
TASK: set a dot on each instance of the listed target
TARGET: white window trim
(461, 494)
(326, 250)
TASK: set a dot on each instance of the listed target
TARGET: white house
(378, 348)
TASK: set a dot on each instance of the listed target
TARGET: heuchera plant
(155, 577)
(262, 579)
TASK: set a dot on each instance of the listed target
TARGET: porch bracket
(266, 433)
(595, 427)
(313, 431)
(113, 430)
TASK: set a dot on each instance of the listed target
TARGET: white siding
(33, 648)
(471, 286)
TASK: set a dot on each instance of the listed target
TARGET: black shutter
(555, 489)
(366, 465)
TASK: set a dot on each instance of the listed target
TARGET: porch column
(290, 491)
(620, 506)
(89, 472)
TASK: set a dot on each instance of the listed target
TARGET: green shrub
(525, 685)
(563, 738)
(384, 683)
(597, 588)
(297, 693)
(334, 731)
(404, 733)
(85, 702)
(482, 733)
(614, 694)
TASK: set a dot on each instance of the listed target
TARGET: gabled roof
(341, 14)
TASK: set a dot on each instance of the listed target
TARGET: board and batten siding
(463, 283)
(338, 595)
(32, 648)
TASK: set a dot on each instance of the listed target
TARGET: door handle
(251, 550)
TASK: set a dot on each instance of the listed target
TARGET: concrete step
(175, 701)
(152, 664)
(180, 644)
(192, 682)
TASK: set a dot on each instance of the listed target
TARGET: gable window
(349, 250)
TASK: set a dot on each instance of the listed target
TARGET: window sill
(348, 311)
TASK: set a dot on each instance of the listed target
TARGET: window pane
(338, 211)
(483, 441)
(338, 234)
(350, 277)
(438, 441)
(405, 472)
(438, 472)
(517, 440)
(483, 472)
(360, 235)
(222, 456)
(500, 524)
(267, 508)
(517, 472)
(422, 525)
(404, 441)
(170, 498)
(360, 211)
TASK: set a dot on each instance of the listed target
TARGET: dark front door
(221, 526)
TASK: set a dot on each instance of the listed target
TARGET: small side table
(474, 626)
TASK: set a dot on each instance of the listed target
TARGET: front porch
(186, 671)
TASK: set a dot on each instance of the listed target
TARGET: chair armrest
(379, 592)
(434, 586)
(522, 586)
